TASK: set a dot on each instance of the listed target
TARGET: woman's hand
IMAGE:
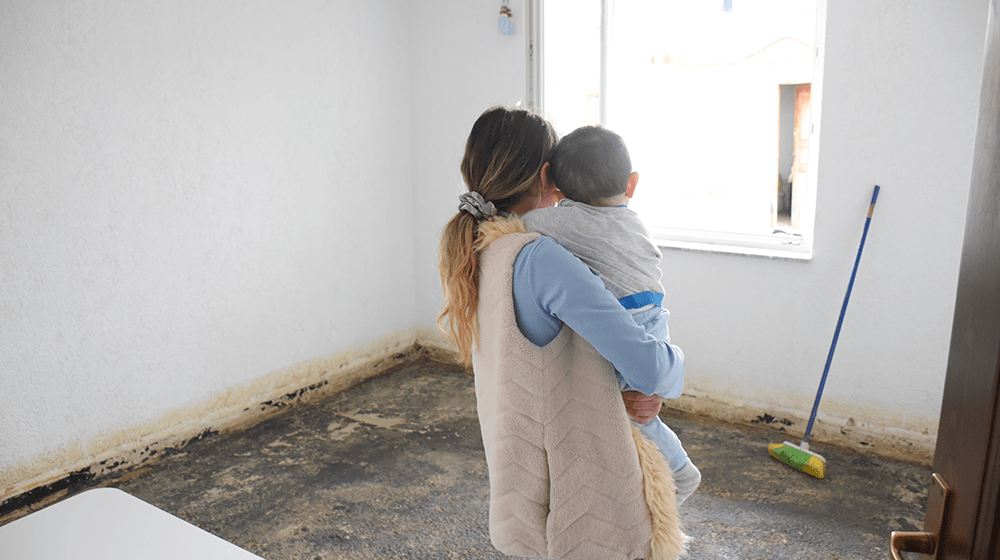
(641, 408)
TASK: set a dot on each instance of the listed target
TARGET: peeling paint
(768, 419)
(374, 419)
(384, 493)
(72, 481)
(233, 409)
(852, 431)
(341, 432)
(241, 407)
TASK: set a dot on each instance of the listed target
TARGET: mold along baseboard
(862, 435)
(39, 479)
(46, 478)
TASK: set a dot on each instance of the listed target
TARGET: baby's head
(590, 164)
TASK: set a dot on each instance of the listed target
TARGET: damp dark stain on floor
(394, 468)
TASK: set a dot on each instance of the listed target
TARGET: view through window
(712, 97)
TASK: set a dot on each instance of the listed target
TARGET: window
(714, 99)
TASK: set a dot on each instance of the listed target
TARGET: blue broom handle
(840, 321)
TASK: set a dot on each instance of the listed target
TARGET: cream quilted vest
(564, 470)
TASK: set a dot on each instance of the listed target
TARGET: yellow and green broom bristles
(799, 458)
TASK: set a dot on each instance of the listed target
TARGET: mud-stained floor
(394, 468)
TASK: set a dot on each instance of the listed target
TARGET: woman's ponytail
(458, 263)
(502, 163)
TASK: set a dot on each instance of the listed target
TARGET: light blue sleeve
(655, 322)
(552, 287)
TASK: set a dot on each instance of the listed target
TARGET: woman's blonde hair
(503, 160)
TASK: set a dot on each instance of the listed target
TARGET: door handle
(911, 541)
(925, 542)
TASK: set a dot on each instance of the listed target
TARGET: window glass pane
(572, 55)
(695, 90)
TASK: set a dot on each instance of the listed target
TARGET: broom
(799, 456)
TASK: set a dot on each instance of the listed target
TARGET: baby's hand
(641, 408)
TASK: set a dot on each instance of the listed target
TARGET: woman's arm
(552, 287)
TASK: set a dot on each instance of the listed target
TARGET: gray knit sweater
(610, 240)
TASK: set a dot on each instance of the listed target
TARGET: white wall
(899, 104)
(193, 195)
(462, 65)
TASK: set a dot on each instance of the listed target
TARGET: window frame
(776, 245)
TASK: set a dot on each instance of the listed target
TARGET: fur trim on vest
(566, 479)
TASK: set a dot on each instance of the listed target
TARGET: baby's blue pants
(686, 475)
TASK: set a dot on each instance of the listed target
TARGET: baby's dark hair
(589, 164)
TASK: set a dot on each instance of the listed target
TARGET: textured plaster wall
(193, 195)
(462, 65)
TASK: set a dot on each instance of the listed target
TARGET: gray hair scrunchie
(474, 203)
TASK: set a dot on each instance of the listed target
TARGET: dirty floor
(394, 468)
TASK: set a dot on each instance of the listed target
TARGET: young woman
(566, 476)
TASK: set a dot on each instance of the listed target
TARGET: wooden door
(967, 456)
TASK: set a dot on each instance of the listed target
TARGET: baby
(592, 168)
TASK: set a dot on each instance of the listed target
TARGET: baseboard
(41, 479)
(860, 436)
(34, 484)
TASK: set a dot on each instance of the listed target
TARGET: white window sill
(775, 246)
